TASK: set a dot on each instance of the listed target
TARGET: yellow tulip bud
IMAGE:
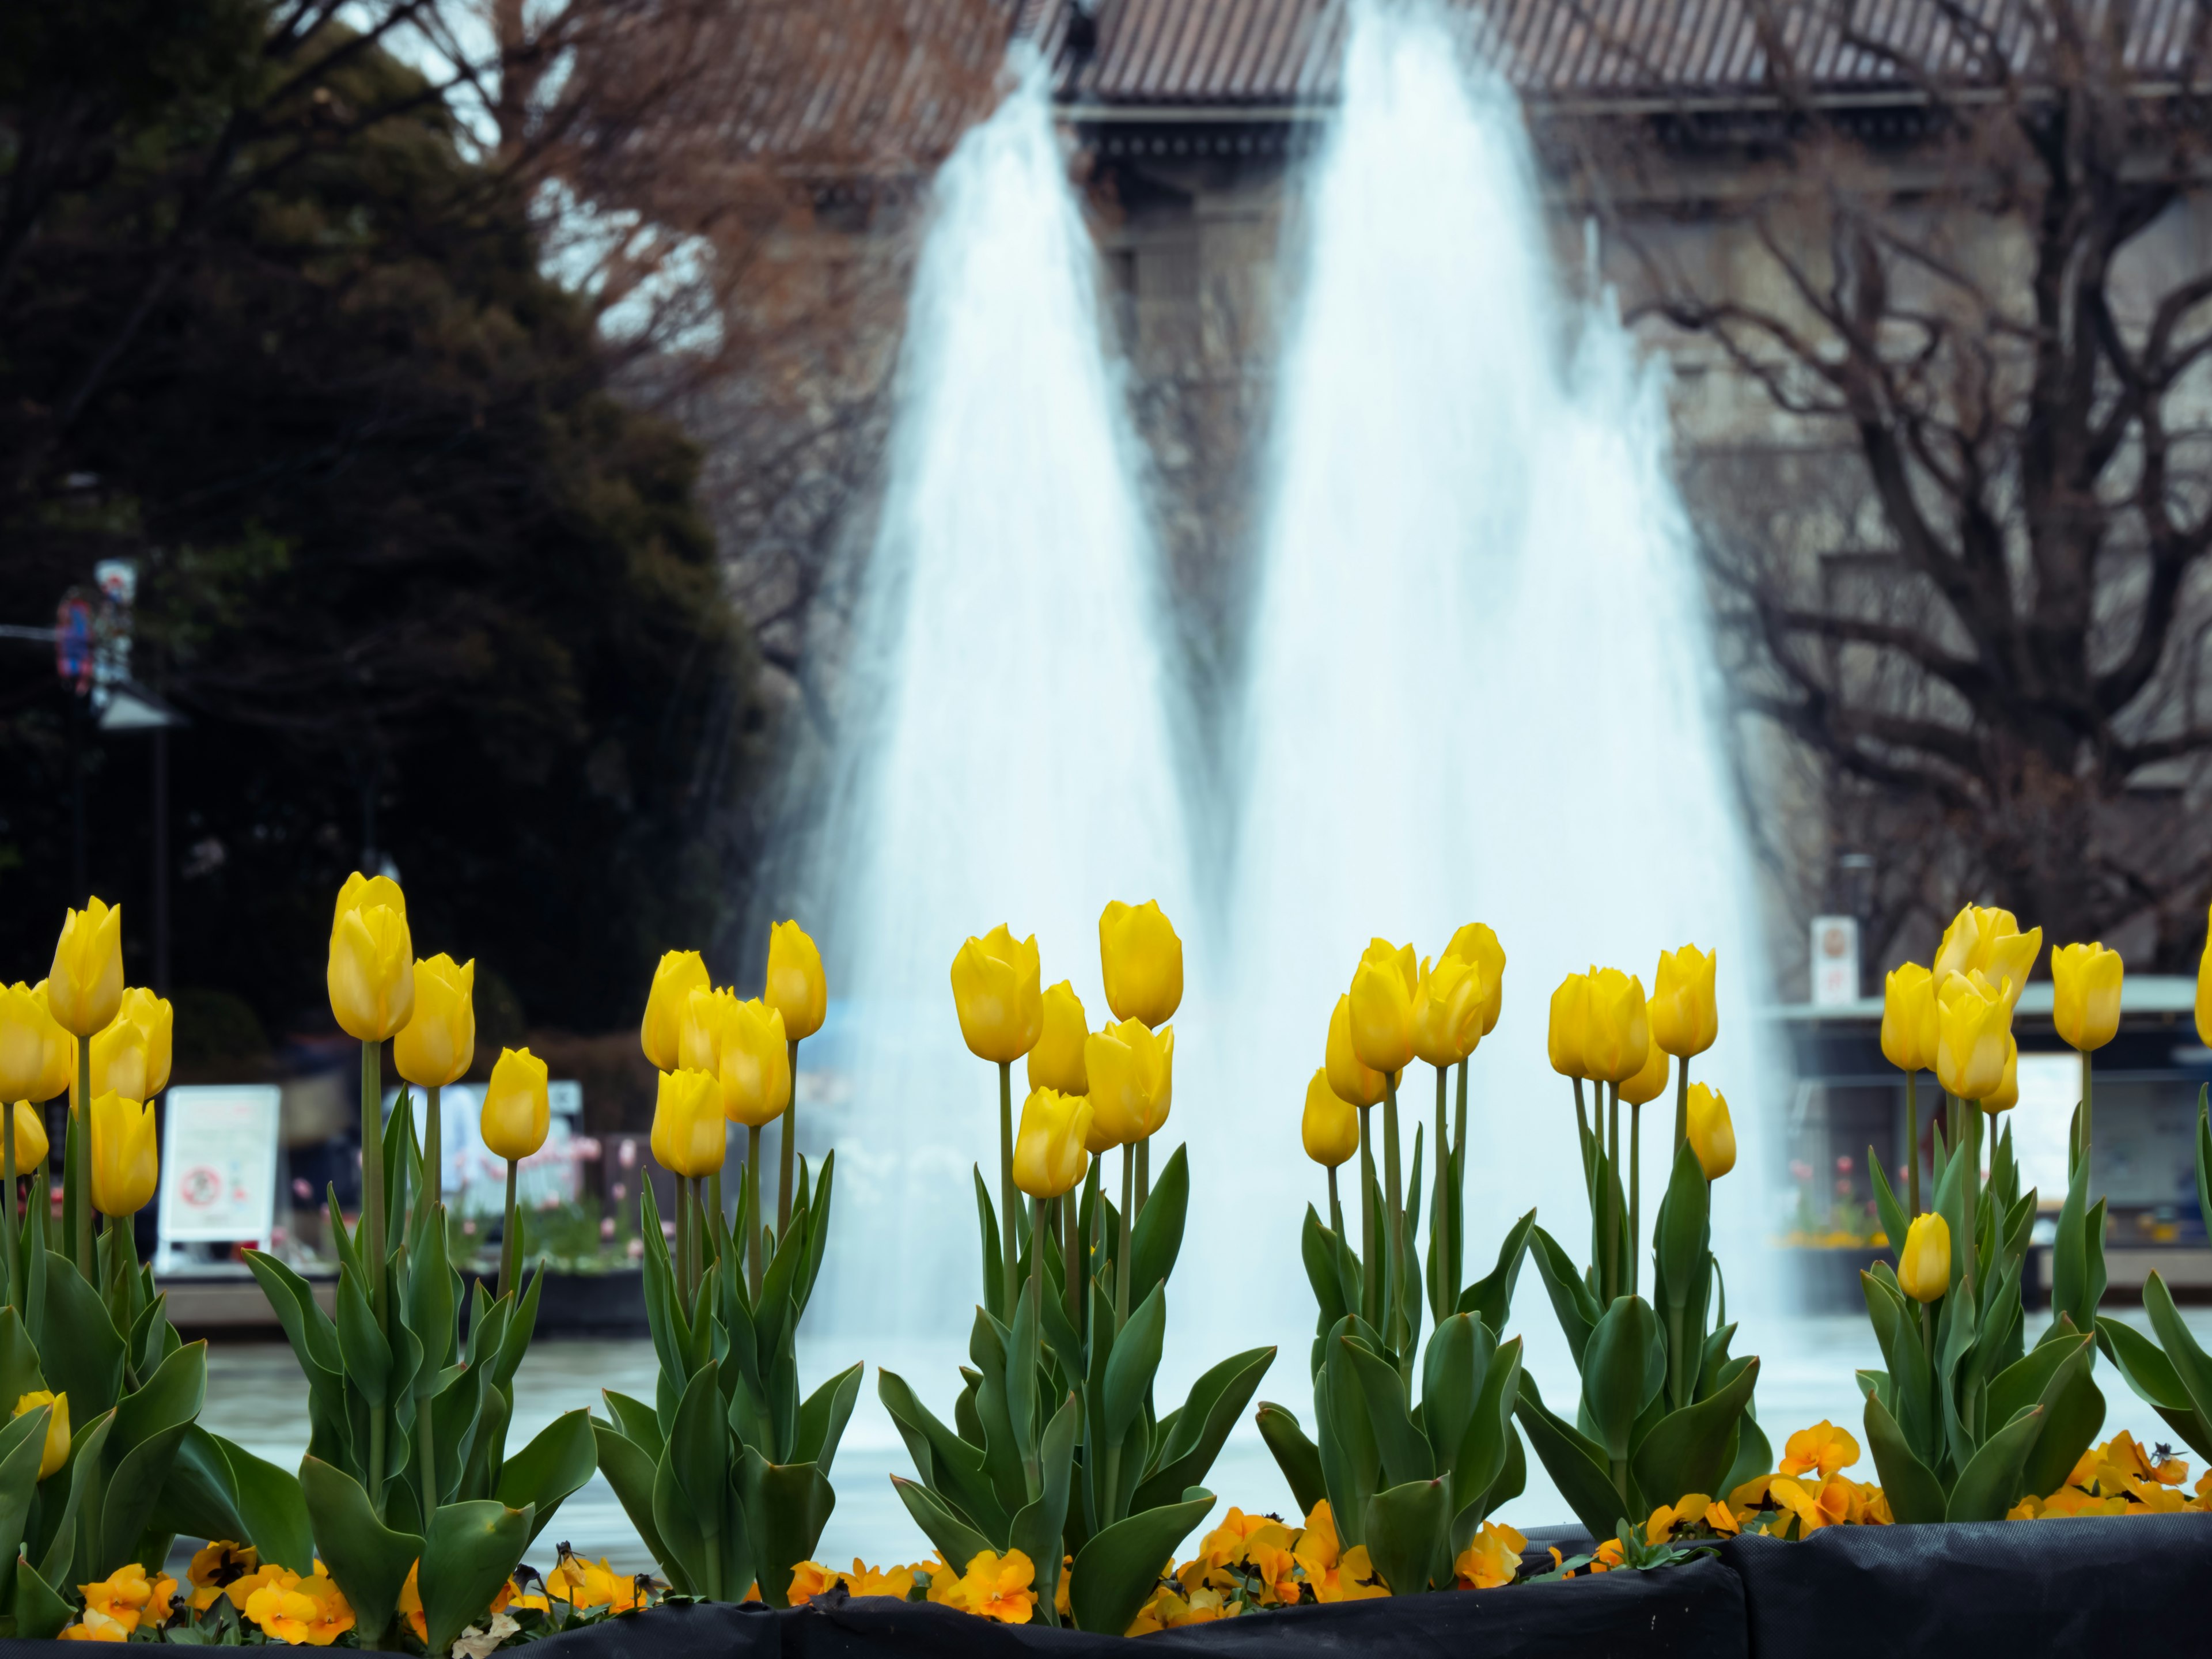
(1331, 1127)
(2012, 959)
(1909, 1025)
(125, 1163)
(994, 989)
(438, 1044)
(699, 1034)
(1360, 1084)
(689, 1131)
(515, 1113)
(1142, 961)
(37, 1057)
(1974, 1019)
(2006, 1095)
(1684, 1016)
(660, 1034)
(85, 986)
(2205, 985)
(1056, 1062)
(31, 1147)
(1383, 1006)
(372, 966)
(1050, 1156)
(1712, 1136)
(1475, 943)
(796, 988)
(756, 1074)
(1923, 1268)
(1448, 1011)
(1569, 1025)
(1988, 942)
(56, 1450)
(1618, 1034)
(1131, 1071)
(1650, 1083)
(360, 892)
(2086, 1002)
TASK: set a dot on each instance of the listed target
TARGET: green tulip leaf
(198, 1499)
(1452, 1371)
(693, 1552)
(956, 1541)
(2023, 1382)
(630, 1472)
(1684, 1225)
(1990, 1485)
(1317, 1249)
(1135, 1358)
(822, 1419)
(951, 1467)
(1020, 1382)
(1406, 1529)
(1115, 1571)
(1623, 1368)
(1404, 1449)
(1041, 1525)
(469, 1552)
(818, 1237)
(1894, 1222)
(1002, 1447)
(1689, 1450)
(1490, 1299)
(987, 1223)
(369, 1561)
(1487, 1443)
(2191, 1366)
(2074, 1410)
(1753, 1455)
(1296, 1455)
(429, 1304)
(699, 1449)
(23, 1443)
(40, 1614)
(1201, 1427)
(2070, 1265)
(1571, 1298)
(79, 1349)
(1156, 1236)
(128, 1498)
(554, 1465)
(1915, 1495)
(19, 1360)
(67, 1549)
(1350, 1461)
(635, 1419)
(271, 1509)
(1577, 1465)
(787, 1505)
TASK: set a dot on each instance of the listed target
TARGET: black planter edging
(1997, 1587)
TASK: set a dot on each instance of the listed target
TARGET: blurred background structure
(449, 435)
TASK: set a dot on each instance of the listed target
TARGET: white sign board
(1835, 961)
(472, 1181)
(2042, 1122)
(219, 1165)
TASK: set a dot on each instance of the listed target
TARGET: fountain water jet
(1478, 676)
(1017, 715)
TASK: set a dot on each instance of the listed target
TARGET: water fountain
(1477, 675)
(1019, 719)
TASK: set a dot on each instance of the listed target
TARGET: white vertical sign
(1835, 961)
(218, 1166)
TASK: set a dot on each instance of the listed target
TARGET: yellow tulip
(1448, 1011)
(1684, 1016)
(130, 1056)
(438, 1044)
(1990, 942)
(125, 1164)
(1142, 961)
(755, 1073)
(2006, 1095)
(85, 986)
(661, 1032)
(38, 1059)
(1331, 1127)
(688, 1132)
(1923, 1268)
(360, 892)
(515, 1114)
(1360, 1084)
(1132, 1069)
(1382, 988)
(796, 988)
(31, 1147)
(1909, 1024)
(1974, 1020)
(2086, 984)
(1056, 1062)
(994, 989)
(372, 969)
(1712, 1136)
(1049, 1155)
(1570, 1027)
(56, 1450)
(1617, 1037)
(1650, 1083)
(1477, 944)
(2205, 985)
(699, 1035)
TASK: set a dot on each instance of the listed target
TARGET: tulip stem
(751, 1205)
(788, 1154)
(1609, 1108)
(1911, 1150)
(80, 1134)
(1143, 1173)
(372, 1183)
(434, 1155)
(1394, 1198)
(1071, 1257)
(1589, 1162)
(1440, 1220)
(507, 1236)
(8, 1187)
(683, 1243)
(1032, 1471)
(1009, 1265)
(426, 1448)
(1335, 1208)
(1459, 1178)
(2082, 1154)
(1681, 1103)
(1121, 1261)
(714, 1209)
(1635, 1189)
(1370, 1260)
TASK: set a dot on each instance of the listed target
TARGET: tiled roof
(1230, 53)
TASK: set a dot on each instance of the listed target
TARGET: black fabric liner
(2016, 1588)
